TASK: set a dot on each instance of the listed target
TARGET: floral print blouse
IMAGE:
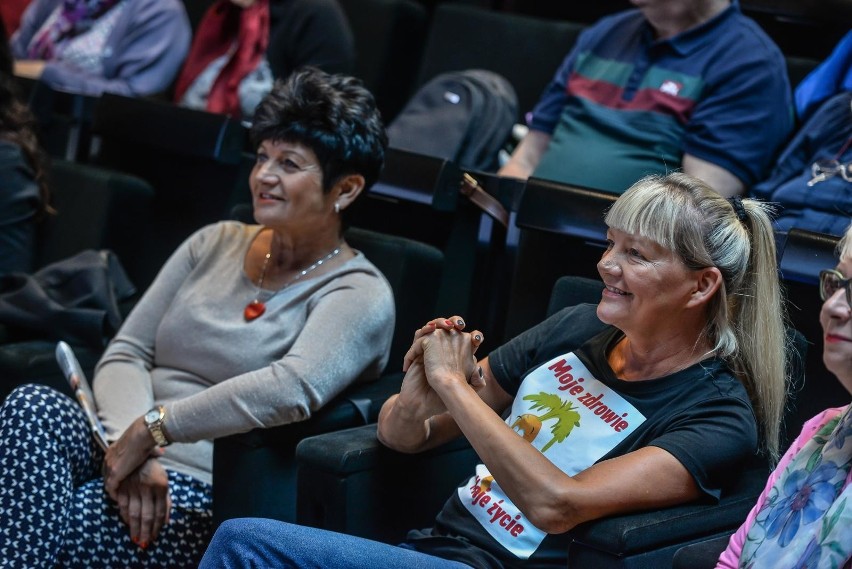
(803, 517)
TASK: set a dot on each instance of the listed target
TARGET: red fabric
(10, 13)
(222, 25)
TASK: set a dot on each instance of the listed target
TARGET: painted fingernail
(144, 545)
(481, 375)
(448, 322)
(478, 338)
(135, 540)
(460, 323)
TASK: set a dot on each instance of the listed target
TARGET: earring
(336, 207)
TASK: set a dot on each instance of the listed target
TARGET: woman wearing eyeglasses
(803, 518)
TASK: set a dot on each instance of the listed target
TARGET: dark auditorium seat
(388, 36)
(562, 232)
(418, 197)
(64, 120)
(525, 50)
(803, 256)
(255, 472)
(96, 209)
(194, 161)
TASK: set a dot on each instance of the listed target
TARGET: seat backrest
(572, 290)
(804, 255)
(799, 67)
(413, 270)
(96, 209)
(562, 232)
(388, 37)
(802, 28)
(525, 50)
(64, 119)
(193, 159)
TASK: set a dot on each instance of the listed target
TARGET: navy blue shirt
(624, 105)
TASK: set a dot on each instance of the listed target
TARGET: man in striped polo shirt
(690, 84)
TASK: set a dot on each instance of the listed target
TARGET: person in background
(246, 326)
(676, 84)
(242, 46)
(639, 402)
(24, 198)
(812, 180)
(127, 47)
(803, 517)
(832, 76)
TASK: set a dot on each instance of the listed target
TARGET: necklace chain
(317, 264)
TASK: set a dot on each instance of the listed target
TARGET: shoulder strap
(471, 189)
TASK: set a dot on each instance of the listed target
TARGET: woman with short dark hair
(246, 326)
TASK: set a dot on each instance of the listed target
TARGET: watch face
(152, 416)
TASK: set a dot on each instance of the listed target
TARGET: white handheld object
(80, 385)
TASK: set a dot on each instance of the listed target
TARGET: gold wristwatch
(154, 421)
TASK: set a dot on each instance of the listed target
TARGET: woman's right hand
(416, 393)
(144, 502)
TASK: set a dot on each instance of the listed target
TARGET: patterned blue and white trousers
(53, 507)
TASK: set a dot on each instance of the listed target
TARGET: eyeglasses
(830, 281)
(822, 170)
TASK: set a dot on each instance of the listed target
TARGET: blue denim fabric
(254, 542)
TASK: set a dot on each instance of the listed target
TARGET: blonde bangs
(651, 209)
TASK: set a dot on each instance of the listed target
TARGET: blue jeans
(255, 542)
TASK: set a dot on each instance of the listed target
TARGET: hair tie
(737, 204)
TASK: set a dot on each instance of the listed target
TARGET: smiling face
(286, 188)
(836, 320)
(647, 286)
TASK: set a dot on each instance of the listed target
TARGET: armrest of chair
(650, 539)
(255, 472)
(349, 482)
(701, 555)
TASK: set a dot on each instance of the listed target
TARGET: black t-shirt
(701, 415)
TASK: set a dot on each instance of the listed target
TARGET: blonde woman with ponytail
(657, 396)
(746, 317)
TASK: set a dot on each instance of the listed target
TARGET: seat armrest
(34, 361)
(662, 532)
(701, 555)
(348, 481)
(255, 472)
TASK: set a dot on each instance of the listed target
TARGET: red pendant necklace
(256, 308)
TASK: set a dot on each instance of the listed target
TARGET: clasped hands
(138, 483)
(440, 355)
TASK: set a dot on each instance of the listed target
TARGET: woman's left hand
(126, 455)
(448, 355)
(144, 502)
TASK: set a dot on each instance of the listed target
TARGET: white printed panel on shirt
(571, 418)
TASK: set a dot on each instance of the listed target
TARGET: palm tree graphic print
(563, 411)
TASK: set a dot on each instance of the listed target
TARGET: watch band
(155, 425)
